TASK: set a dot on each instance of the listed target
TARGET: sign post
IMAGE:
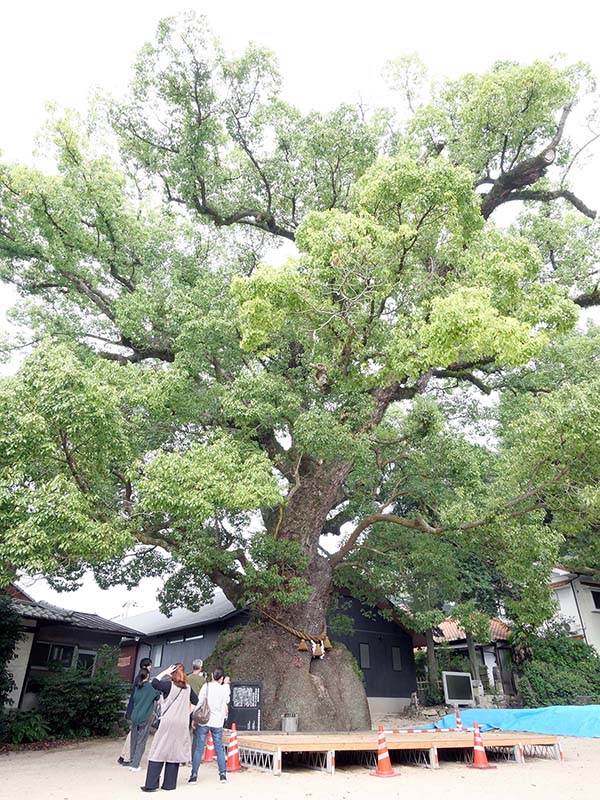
(245, 705)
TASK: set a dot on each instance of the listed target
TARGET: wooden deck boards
(266, 750)
(366, 741)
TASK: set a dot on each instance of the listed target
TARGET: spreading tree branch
(510, 185)
(547, 196)
(508, 511)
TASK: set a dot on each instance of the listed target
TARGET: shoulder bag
(201, 713)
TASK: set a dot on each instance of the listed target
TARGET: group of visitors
(168, 702)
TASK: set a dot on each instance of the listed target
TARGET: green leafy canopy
(408, 388)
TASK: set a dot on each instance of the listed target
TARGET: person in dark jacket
(144, 697)
(145, 664)
(125, 758)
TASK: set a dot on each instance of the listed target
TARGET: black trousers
(169, 778)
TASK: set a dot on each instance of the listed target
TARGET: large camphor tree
(192, 411)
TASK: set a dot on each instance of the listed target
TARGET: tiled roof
(452, 632)
(154, 622)
(33, 610)
(563, 582)
(46, 611)
(83, 620)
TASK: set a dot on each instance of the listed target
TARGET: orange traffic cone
(233, 753)
(479, 757)
(459, 725)
(209, 751)
(384, 765)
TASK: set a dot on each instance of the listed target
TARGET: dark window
(43, 654)
(365, 656)
(85, 662)
(157, 654)
(39, 654)
(596, 599)
(396, 659)
(61, 654)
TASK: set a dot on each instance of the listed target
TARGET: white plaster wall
(18, 665)
(568, 607)
(589, 614)
(384, 706)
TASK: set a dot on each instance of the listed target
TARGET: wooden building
(53, 635)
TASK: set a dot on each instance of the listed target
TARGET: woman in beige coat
(171, 745)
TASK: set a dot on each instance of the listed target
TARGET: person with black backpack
(209, 715)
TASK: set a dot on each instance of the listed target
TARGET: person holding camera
(171, 745)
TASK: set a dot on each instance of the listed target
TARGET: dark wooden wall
(380, 635)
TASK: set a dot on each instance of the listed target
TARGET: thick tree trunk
(327, 694)
(433, 673)
(473, 657)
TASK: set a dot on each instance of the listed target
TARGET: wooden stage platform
(272, 751)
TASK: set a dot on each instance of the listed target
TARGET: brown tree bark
(473, 657)
(327, 693)
(433, 672)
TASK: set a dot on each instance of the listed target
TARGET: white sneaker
(134, 769)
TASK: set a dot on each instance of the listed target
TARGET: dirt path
(89, 772)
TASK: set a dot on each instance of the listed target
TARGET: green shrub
(23, 726)
(63, 700)
(357, 670)
(74, 704)
(107, 694)
(226, 647)
(433, 697)
(558, 669)
(448, 660)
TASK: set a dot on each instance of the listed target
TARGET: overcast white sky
(329, 51)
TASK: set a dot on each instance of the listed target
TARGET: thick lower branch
(589, 299)
(418, 524)
(550, 195)
(511, 184)
(463, 376)
(253, 217)
(508, 510)
(231, 587)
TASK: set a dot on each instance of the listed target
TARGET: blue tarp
(559, 720)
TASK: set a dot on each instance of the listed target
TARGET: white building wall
(381, 707)
(589, 614)
(576, 604)
(568, 608)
